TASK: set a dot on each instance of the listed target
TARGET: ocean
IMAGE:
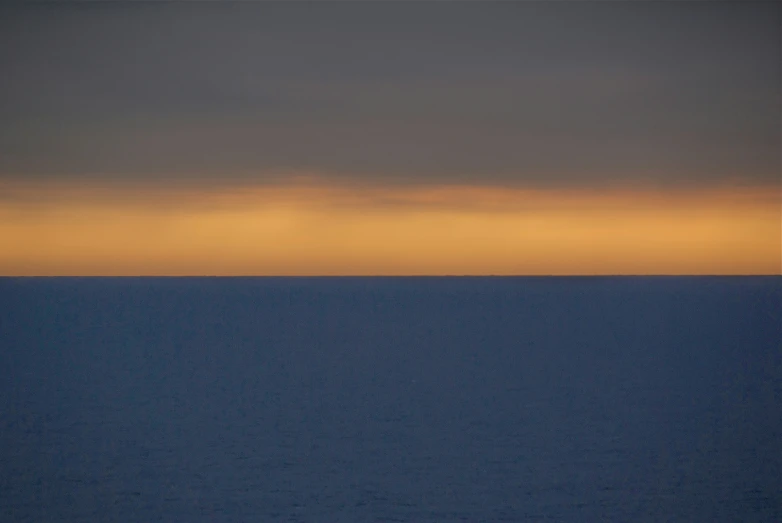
(391, 399)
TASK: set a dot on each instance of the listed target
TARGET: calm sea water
(391, 399)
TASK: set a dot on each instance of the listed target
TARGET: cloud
(516, 94)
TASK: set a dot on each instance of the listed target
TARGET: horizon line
(389, 276)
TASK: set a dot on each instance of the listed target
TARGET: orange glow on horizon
(318, 229)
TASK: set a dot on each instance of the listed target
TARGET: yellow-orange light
(322, 230)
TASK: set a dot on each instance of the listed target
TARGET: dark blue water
(401, 399)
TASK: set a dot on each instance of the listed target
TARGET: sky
(336, 138)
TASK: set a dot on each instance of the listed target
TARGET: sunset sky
(384, 138)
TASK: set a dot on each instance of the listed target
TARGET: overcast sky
(528, 93)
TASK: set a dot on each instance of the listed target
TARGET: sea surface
(391, 399)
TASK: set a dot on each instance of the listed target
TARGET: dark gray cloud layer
(528, 93)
